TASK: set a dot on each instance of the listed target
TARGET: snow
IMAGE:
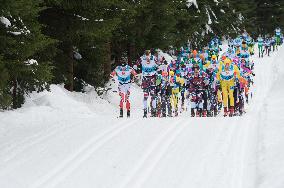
(14, 29)
(31, 62)
(208, 28)
(81, 17)
(271, 162)
(15, 32)
(209, 17)
(241, 17)
(5, 21)
(217, 2)
(167, 57)
(62, 139)
(24, 31)
(189, 3)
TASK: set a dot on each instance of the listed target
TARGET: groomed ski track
(105, 152)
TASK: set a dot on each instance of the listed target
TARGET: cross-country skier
(278, 36)
(267, 45)
(196, 87)
(149, 71)
(260, 42)
(227, 74)
(123, 73)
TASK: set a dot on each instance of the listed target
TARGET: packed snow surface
(69, 140)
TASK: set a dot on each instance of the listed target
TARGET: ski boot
(204, 113)
(215, 112)
(247, 98)
(145, 113)
(176, 113)
(128, 113)
(183, 107)
(159, 114)
(231, 113)
(170, 113)
(192, 113)
(153, 113)
(198, 113)
(219, 106)
(240, 112)
(225, 111)
(121, 113)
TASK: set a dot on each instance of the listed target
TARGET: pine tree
(200, 21)
(145, 25)
(5, 98)
(83, 27)
(22, 50)
(269, 15)
(246, 11)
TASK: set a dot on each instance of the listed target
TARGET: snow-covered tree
(200, 20)
(21, 41)
(81, 27)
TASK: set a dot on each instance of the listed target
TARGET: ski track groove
(31, 141)
(254, 111)
(73, 161)
(164, 140)
(226, 144)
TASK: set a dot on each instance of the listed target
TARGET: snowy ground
(65, 140)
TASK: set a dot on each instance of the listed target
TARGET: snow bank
(61, 100)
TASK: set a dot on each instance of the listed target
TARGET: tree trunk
(70, 69)
(107, 60)
(14, 93)
(131, 52)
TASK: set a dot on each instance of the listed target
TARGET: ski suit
(175, 82)
(196, 89)
(212, 91)
(237, 42)
(149, 70)
(273, 43)
(123, 74)
(165, 94)
(183, 73)
(267, 47)
(227, 74)
(260, 42)
(278, 36)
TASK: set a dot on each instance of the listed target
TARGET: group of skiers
(269, 43)
(201, 82)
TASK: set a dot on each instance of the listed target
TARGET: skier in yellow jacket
(227, 74)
